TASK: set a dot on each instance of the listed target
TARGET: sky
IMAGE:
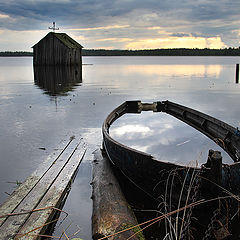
(122, 24)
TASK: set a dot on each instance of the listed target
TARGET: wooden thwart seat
(42, 191)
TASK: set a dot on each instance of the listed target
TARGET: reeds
(174, 218)
(174, 223)
(177, 221)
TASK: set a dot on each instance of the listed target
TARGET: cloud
(214, 10)
(19, 40)
(106, 47)
(180, 35)
(115, 39)
(177, 42)
(154, 28)
(4, 16)
(209, 22)
(99, 28)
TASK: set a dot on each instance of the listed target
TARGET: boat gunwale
(156, 107)
(113, 116)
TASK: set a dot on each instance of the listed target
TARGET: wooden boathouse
(57, 49)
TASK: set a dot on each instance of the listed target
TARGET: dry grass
(164, 216)
(174, 225)
(174, 230)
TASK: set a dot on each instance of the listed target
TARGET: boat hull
(180, 186)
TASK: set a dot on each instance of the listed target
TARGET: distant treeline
(15, 54)
(164, 52)
(150, 52)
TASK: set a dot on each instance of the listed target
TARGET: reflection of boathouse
(57, 49)
(57, 80)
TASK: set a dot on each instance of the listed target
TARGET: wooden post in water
(237, 73)
(216, 170)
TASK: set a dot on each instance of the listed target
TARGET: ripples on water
(37, 113)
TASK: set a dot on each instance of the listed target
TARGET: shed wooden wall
(51, 51)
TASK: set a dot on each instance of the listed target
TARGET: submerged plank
(21, 192)
(13, 223)
(111, 212)
(53, 197)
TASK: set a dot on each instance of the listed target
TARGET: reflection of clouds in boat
(140, 148)
(164, 137)
(130, 131)
(179, 144)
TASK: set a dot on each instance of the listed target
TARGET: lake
(37, 114)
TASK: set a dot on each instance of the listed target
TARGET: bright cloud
(131, 131)
(154, 28)
(4, 16)
(115, 39)
(177, 42)
(105, 47)
(26, 39)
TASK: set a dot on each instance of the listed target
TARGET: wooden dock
(26, 214)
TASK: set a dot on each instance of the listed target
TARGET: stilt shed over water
(57, 49)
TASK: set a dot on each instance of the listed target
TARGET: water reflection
(152, 78)
(57, 80)
(164, 137)
(176, 70)
(78, 206)
(29, 120)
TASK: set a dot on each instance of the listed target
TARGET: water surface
(36, 114)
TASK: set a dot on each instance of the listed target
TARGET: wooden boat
(208, 194)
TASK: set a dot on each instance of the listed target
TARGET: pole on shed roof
(54, 27)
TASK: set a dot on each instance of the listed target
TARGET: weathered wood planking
(16, 197)
(48, 191)
(53, 197)
(111, 212)
(57, 49)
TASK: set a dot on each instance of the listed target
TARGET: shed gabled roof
(68, 41)
(65, 39)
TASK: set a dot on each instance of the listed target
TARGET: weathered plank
(21, 192)
(53, 197)
(13, 223)
(111, 212)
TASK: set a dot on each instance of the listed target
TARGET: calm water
(37, 114)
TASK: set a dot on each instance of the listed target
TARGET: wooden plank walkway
(44, 189)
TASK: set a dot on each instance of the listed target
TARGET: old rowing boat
(206, 198)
